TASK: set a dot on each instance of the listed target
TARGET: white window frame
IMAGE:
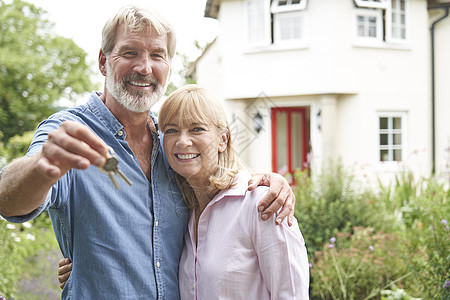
(276, 11)
(389, 37)
(275, 8)
(266, 40)
(379, 25)
(391, 131)
(301, 40)
(372, 3)
(384, 36)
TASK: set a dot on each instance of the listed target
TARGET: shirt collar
(238, 190)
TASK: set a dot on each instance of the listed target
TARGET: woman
(229, 252)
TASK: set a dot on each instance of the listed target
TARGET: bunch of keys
(111, 168)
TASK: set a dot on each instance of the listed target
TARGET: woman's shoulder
(251, 198)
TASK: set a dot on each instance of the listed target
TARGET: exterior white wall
(348, 83)
(442, 85)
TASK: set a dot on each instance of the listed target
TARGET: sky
(83, 20)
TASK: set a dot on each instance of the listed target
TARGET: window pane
(281, 140)
(384, 155)
(373, 30)
(391, 138)
(383, 123)
(297, 138)
(295, 1)
(397, 123)
(282, 2)
(360, 20)
(398, 155)
(290, 26)
(256, 21)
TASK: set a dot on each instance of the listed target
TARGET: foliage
(37, 68)
(328, 203)
(17, 146)
(357, 265)
(424, 209)
(390, 243)
(18, 244)
(183, 76)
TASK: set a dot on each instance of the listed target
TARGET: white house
(347, 79)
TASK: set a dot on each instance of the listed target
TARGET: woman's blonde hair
(194, 104)
(136, 20)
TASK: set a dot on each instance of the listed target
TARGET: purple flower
(330, 246)
(310, 265)
(333, 240)
(2, 298)
(444, 222)
(446, 284)
(371, 248)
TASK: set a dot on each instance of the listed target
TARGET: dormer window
(372, 3)
(287, 5)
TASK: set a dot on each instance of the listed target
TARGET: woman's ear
(223, 143)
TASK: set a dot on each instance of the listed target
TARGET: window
(372, 3)
(381, 21)
(279, 22)
(397, 20)
(391, 137)
(258, 27)
(370, 25)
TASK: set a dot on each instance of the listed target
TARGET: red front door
(290, 138)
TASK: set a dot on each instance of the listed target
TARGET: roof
(193, 65)
(437, 4)
(212, 8)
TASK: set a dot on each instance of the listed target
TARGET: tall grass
(364, 244)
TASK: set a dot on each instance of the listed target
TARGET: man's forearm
(23, 187)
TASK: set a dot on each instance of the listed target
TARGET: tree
(37, 68)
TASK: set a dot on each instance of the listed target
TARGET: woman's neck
(203, 198)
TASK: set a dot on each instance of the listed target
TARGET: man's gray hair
(136, 20)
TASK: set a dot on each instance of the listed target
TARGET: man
(126, 243)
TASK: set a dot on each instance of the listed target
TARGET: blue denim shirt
(125, 244)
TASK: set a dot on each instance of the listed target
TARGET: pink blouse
(239, 256)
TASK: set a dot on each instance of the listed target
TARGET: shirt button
(158, 264)
(156, 223)
(120, 133)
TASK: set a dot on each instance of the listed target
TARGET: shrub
(328, 203)
(18, 244)
(406, 223)
(425, 233)
(357, 266)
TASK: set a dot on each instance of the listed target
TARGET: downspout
(433, 83)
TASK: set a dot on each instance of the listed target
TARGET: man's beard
(135, 101)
